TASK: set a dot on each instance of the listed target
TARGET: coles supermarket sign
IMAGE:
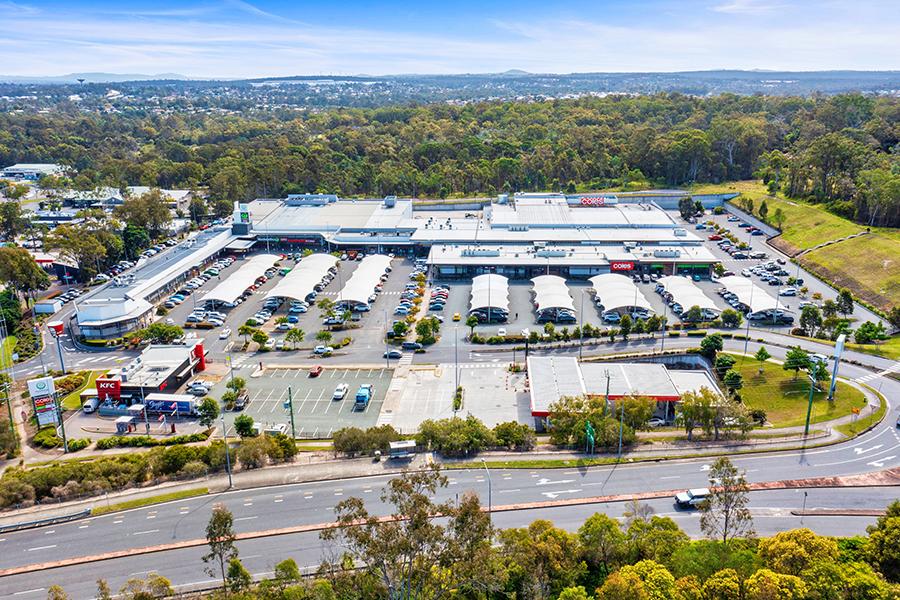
(621, 265)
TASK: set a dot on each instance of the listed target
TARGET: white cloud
(204, 41)
(747, 7)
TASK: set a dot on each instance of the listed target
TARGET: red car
(715, 237)
(316, 371)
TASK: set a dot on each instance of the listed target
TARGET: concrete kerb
(890, 477)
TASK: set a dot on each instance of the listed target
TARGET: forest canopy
(839, 150)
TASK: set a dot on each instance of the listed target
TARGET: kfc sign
(621, 266)
(111, 388)
(593, 201)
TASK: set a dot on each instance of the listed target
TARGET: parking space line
(296, 373)
(286, 371)
(302, 402)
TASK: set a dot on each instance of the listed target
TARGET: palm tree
(294, 335)
(245, 330)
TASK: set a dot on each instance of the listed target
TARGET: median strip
(890, 477)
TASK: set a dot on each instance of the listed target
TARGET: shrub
(515, 436)
(138, 441)
(353, 440)
(47, 438)
(458, 398)
(455, 436)
(78, 444)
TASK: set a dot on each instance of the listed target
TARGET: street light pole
(227, 451)
(490, 491)
(62, 364)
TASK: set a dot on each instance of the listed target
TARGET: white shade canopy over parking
(235, 284)
(749, 294)
(618, 291)
(301, 281)
(362, 283)
(551, 291)
(490, 291)
(686, 293)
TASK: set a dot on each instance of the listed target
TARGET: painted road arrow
(545, 481)
(556, 494)
(880, 462)
(861, 451)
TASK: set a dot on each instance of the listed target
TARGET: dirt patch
(784, 246)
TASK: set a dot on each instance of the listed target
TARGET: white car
(788, 292)
(223, 335)
(323, 350)
(501, 332)
(340, 392)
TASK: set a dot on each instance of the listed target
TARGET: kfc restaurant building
(160, 369)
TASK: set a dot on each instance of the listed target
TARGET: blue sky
(254, 38)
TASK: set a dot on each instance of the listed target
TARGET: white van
(90, 405)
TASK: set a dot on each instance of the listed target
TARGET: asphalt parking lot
(316, 415)
(369, 335)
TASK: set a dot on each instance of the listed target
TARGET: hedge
(138, 441)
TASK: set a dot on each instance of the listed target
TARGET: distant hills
(92, 78)
(175, 92)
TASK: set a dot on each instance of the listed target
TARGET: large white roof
(550, 291)
(234, 285)
(749, 293)
(618, 291)
(362, 283)
(299, 283)
(490, 290)
(686, 293)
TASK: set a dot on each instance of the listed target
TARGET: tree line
(426, 548)
(839, 150)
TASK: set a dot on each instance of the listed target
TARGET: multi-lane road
(312, 503)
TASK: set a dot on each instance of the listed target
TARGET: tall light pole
(490, 491)
(456, 354)
(581, 327)
(290, 403)
(227, 451)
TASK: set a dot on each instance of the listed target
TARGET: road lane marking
(244, 519)
(79, 527)
(49, 532)
(41, 548)
(671, 477)
(35, 590)
(147, 531)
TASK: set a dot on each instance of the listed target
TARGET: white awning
(749, 294)
(686, 293)
(618, 291)
(299, 283)
(551, 291)
(490, 291)
(362, 283)
(234, 285)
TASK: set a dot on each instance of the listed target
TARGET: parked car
(316, 371)
(322, 350)
(340, 392)
(392, 354)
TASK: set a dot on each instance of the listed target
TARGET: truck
(180, 405)
(363, 396)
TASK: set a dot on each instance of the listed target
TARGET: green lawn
(807, 225)
(785, 399)
(140, 502)
(869, 265)
(6, 351)
(73, 400)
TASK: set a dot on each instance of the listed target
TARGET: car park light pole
(290, 407)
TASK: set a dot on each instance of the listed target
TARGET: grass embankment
(785, 398)
(150, 500)
(73, 400)
(7, 347)
(867, 265)
(889, 348)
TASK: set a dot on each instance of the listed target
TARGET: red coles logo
(593, 201)
(621, 266)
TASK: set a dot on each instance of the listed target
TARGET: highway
(280, 506)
